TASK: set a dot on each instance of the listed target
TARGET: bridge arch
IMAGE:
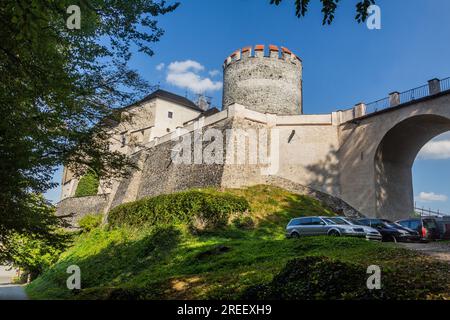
(394, 158)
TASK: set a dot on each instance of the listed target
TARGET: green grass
(168, 262)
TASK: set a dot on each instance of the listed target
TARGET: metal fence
(405, 97)
(445, 84)
(378, 105)
(430, 213)
(414, 94)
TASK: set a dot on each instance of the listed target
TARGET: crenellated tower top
(259, 51)
(264, 79)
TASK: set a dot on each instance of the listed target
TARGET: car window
(376, 223)
(335, 221)
(304, 221)
(316, 221)
(354, 221)
(405, 223)
(294, 222)
(414, 224)
(429, 223)
(365, 222)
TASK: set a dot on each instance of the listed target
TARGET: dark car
(391, 231)
(427, 228)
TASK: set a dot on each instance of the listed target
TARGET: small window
(170, 114)
(168, 130)
(123, 140)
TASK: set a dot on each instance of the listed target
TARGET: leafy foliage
(329, 9)
(88, 185)
(34, 255)
(56, 85)
(90, 221)
(183, 207)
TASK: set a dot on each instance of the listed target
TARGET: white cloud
(185, 74)
(436, 150)
(193, 82)
(160, 66)
(214, 73)
(184, 66)
(431, 196)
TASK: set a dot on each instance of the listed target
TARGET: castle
(332, 157)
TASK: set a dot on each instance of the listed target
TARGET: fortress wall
(161, 175)
(79, 207)
(308, 150)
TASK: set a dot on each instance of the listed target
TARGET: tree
(56, 85)
(329, 9)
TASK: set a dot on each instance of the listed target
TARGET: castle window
(168, 130)
(123, 140)
(170, 114)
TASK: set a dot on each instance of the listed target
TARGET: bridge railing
(430, 213)
(433, 87)
(445, 84)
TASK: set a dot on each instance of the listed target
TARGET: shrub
(313, 278)
(245, 222)
(90, 222)
(196, 208)
(88, 185)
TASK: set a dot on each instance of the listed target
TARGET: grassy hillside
(169, 261)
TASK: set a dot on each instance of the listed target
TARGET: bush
(88, 185)
(315, 278)
(90, 222)
(245, 222)
(196, 208)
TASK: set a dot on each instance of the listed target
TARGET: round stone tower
(267, 83)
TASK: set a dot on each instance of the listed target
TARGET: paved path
(439, 250)
(10, 291)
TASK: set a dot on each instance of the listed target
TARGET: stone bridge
(378, 149)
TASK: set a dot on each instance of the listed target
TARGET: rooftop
(171, 97)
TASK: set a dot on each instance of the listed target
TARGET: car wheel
(334, 233)
(295, 235)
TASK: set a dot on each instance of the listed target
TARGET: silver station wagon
(316, 226)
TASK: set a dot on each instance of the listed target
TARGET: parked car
(426, 227)
(315, 226)
(391, 231)
(371, 233)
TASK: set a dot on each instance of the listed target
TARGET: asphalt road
(9, 291)
(439, 249)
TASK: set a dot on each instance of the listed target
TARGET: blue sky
(344, 63)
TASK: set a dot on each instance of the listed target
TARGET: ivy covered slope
(211, 244)
(88, 185)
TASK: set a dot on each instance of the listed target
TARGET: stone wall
(270, 84)
(79, 207)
